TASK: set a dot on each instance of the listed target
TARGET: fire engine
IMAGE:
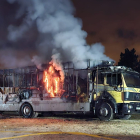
(104, 89)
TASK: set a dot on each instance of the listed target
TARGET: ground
(68, 124)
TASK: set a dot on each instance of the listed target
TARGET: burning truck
(106, 90)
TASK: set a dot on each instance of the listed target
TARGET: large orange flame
(52, 80)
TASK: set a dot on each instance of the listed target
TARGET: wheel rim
(26, 110)
(103, 111)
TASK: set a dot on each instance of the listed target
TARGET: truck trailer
(106, 90)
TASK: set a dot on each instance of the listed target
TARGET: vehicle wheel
(104, 112)
(27, 111)
(124, 117)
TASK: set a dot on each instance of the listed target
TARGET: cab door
(113, 85)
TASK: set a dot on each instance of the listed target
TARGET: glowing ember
(52, 80)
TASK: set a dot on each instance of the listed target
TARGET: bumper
(131, 108)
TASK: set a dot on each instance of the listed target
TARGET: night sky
(113, 23)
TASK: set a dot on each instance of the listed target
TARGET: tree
(129, 59)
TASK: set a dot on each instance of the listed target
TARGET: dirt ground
(72, 123)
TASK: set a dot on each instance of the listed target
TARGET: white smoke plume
(60, 33)
(37, 61)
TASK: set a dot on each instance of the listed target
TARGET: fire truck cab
(117, 92)
(106, 90)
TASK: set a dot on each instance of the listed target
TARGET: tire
(27, 111)
(104, 112)
(124, 117)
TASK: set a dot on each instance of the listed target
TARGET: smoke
(37, 61)
(10, 59)
(60, 33)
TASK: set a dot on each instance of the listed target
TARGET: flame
(56, 84)
(52, 80)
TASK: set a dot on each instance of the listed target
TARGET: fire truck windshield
(132, 80)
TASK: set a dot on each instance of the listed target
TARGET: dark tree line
(130, 59)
